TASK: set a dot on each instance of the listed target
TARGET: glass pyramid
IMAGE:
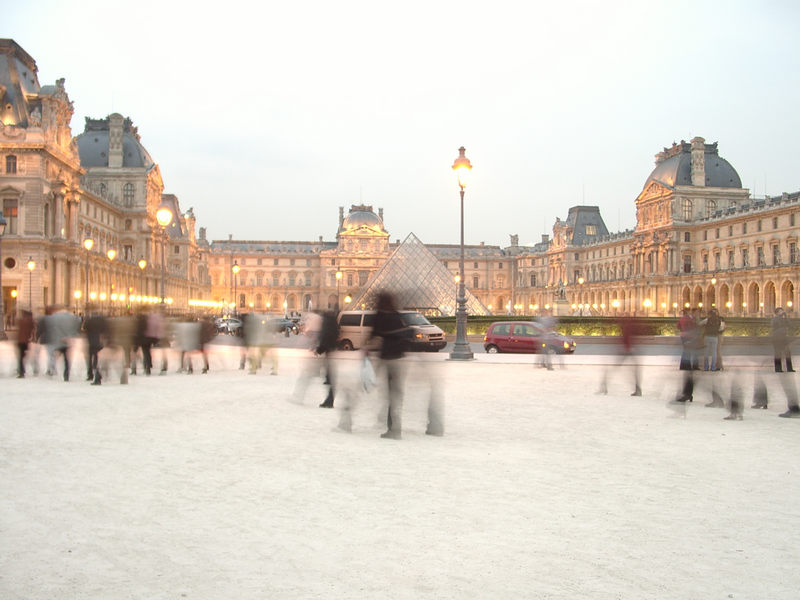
(418, 280)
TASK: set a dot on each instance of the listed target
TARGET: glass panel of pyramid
(418, 280)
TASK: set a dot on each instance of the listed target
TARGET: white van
(355, 327)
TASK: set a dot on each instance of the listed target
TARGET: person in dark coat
(328, 340)
(389, 329)
(781, 340)
(97, 334)
(25, 333)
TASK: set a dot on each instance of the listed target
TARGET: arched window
(11, 164)
(127, 194)
(711, 207)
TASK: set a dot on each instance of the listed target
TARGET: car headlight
(566, 345)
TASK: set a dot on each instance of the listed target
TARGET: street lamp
(338, 281)
(3, 335)
(88, 243)
(461, 350)
(111, 254)
(31, 267)
(164, 218)
(235, 270)
(142, 266)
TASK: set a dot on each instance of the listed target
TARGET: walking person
(781, 340)
(389, 330)
(711, 330)
(62, 326)
(328, 340)
(97, 333)
(25, 334)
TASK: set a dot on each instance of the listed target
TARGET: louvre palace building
(700, 239)
(58, 191)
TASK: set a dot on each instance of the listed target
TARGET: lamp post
(31, 267)
(235, 270)
(338, 282)
(88, 243)
(164, 218)
(3, 335)
(142, 266)
(111, 254)
(461, 350)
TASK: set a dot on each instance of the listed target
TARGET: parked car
(525, 336)
(229, 325)
(284, 326)
(355, 327)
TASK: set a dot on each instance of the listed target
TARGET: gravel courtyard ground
(216, 486)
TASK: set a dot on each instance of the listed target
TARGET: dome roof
(361, 216)
(674, 167)
(93, 145)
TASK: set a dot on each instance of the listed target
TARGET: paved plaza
(216, 486)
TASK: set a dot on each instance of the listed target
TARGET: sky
(267, 117)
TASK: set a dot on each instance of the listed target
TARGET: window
(774, 222)
(474, 265)
(10, 213)
(46, 220)
(711, 206)
(275, 261)
(259, 279)
(687, 263)
(760, 255)
(308, 280)
(291, 261)
(716, 234)
(776, 255)
(759, 225)
(705, 262)
(177, 250)
(258, 261)
(687, 237)
(686, 209)
(291, 278)
(350, 280)
(794, 258)
(242, 301)
(499, 265)
(731, 259)
(275, 279)
(717, 261)
(11, 164)
(475, 282)
(730, 230)
(791, 220)
(127, 194)
(308, 262)
(705, 236)
(591, 230)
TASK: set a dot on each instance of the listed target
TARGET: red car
(525, 336)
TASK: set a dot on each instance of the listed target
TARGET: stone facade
(700, 240)
(54, 195)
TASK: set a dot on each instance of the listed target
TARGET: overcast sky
(266, 117)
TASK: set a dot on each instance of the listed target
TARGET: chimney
(545, 238)
(380, 214)
(698, 162)
(341, 216)
(320, 239)
(115, 122)
(202, 233)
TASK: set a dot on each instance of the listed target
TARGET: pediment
(654, 189)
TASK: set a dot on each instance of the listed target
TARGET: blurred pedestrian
(781, 340)
(187, 342)
(207, 334)
(62, 327)
(631, 330)
(711, 330)
(310, 328)
(25, 335)
(389, 330)
(328, 341)
(548, 323)
(97, 334)
(123, 335)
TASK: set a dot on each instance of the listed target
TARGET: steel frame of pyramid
(418, 280)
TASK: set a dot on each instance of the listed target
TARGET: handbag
(368, 378)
